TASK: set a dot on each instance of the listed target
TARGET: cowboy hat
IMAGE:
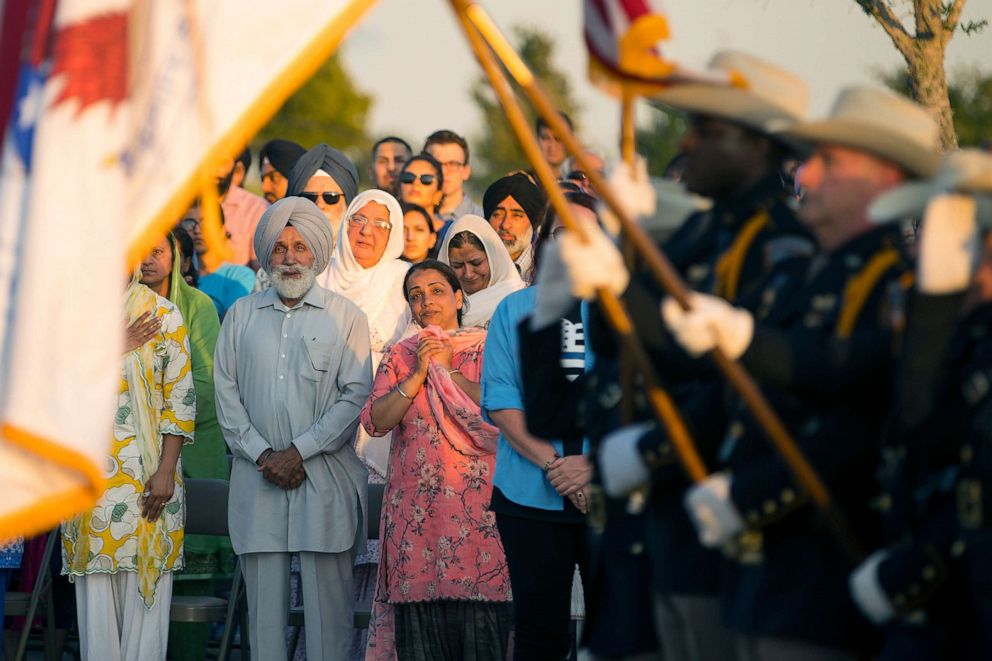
(760, 95)
(879, 122)
(964, 171)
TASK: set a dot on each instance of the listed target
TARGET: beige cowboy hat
(759, 95)
(964, 171)
(879, 122)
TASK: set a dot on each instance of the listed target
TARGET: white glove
(633, 189)
(867, 592)
(620, 463)
(554, 295)
(593, 264)
(710, 322)
(711, 510)
(949, 244)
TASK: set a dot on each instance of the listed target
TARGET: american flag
(622, 37)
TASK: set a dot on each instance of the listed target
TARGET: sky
(412, 56)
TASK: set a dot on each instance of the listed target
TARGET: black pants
(541, 557)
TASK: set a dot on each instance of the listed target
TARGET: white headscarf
(503, 276)
(378, 290)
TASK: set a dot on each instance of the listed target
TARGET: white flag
(113, 125)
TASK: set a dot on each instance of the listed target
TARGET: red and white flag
(116, 112)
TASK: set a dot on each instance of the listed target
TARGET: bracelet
(547, 464)
(402, 394)
(262, 457)
(454, 371)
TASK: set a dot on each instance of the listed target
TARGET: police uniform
(726, 250)
(936, 477)
(823, 351)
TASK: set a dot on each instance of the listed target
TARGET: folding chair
(206, 514)
(363, 608)
(26, 603)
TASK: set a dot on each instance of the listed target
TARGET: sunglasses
(425, 179)
(329, 198)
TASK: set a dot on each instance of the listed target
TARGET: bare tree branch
(927, 15)
(893, 27)
(952, 20)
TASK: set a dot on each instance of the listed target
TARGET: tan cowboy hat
(760, 96)
(882, 123)
(964, 171)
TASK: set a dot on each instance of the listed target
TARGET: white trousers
(114, 624)
(328, 603)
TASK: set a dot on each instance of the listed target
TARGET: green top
(207, 457)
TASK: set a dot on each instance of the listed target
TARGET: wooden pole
(803, 472)
(661, 403)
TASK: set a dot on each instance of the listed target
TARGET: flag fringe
(46, 513)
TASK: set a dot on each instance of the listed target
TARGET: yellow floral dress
(156, 394)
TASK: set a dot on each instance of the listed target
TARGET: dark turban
(282, 154)
(520, 188)
(308, 220)
(330, 160)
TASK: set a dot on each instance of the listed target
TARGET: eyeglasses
(558, 232)
(425, 179)
(452, 165)
(361, 221)
(189, 224)
(329, 198)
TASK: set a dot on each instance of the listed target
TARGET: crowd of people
(454, 352)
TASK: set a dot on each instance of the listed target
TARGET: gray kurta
(297, 376)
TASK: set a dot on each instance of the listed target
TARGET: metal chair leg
(42, 583)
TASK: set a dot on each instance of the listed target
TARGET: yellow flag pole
(661, 403)
(806, 476)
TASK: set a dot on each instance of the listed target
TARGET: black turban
(282, 154)
(330, 160)
(521, 189)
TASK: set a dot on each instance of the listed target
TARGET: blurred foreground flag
(622, 39)
(114, 113)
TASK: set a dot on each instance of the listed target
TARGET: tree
(970, 96)
(497, 147)
(934, 24)
(328, 108)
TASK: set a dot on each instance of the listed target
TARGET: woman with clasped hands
(442, 569)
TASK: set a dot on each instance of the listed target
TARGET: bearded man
(514, 206)
(292, 371)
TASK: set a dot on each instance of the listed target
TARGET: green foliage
(328, 108)
(497, 147)
(658, 142)
(970, 95)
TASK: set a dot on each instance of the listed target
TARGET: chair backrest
(206, 506)
(375, 509)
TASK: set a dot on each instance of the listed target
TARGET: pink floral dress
(439, 539)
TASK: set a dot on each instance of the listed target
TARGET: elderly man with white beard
(292, 371)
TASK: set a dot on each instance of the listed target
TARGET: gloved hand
(712, 512)
(949, 244)
(710, 322)
(593, 264)
(554, 290)
(867, 592)
(633, 189)
(620, 463)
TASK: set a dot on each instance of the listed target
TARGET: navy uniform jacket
(727, 250)
(823, 351)
(936, 479)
